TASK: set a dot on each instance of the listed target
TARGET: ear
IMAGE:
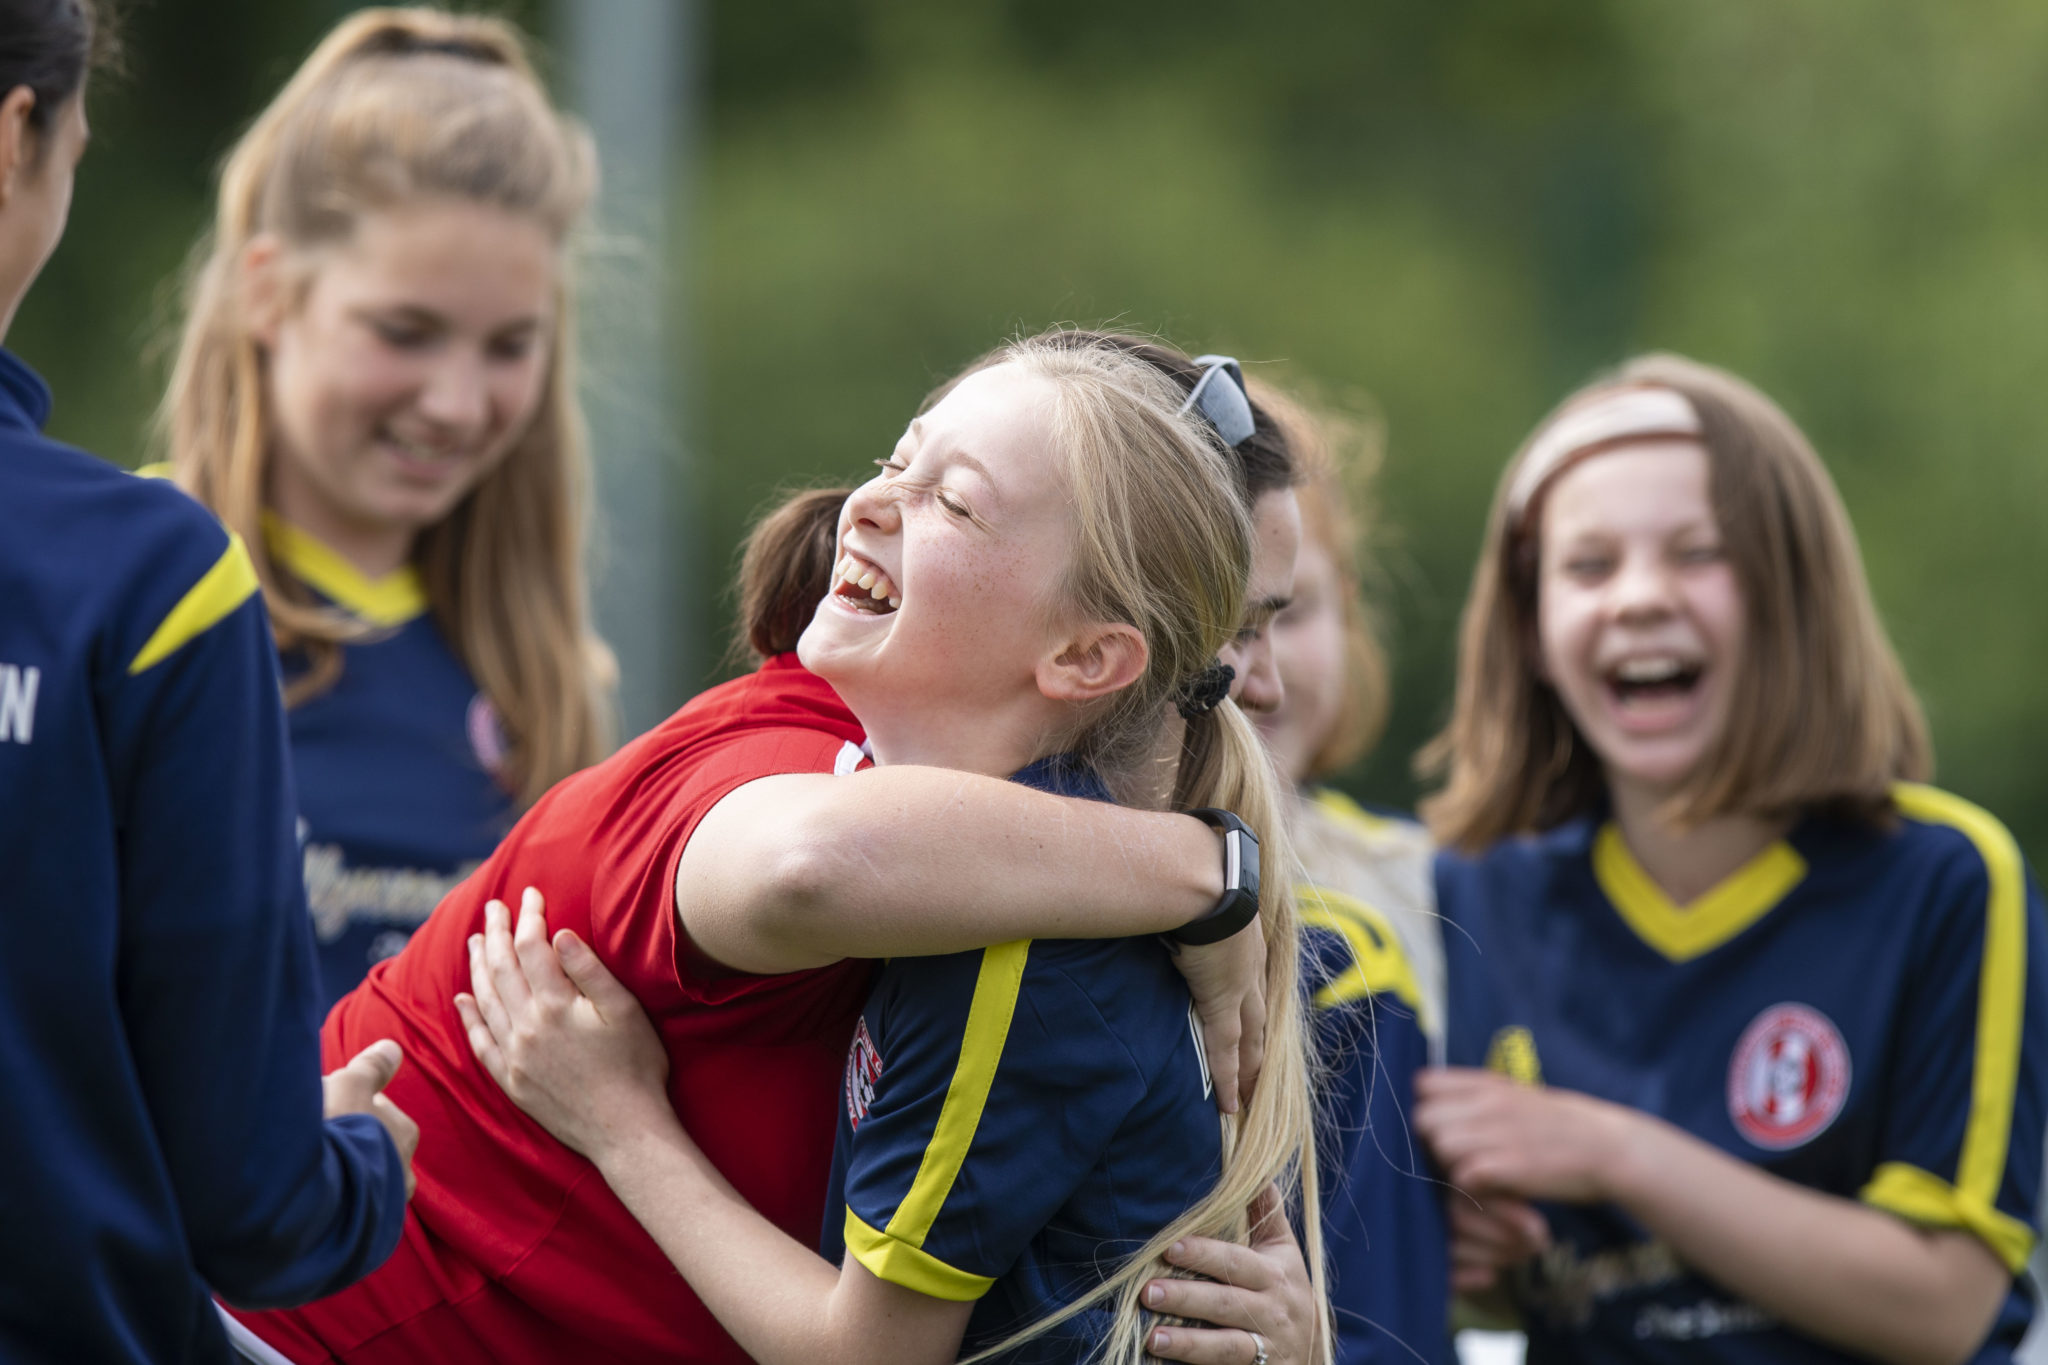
(1102, 659)
(17, 138)
(265, 290)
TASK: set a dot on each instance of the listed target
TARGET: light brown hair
(1822, 716)
(394, 106)
(1162, 540)
(1335, 457)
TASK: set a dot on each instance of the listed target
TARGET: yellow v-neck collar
(1682, 933)
(392, 600)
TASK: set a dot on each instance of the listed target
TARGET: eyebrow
(1269, 606)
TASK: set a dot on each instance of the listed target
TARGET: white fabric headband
(1600, 421)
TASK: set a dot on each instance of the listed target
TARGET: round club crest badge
(1789, 1076)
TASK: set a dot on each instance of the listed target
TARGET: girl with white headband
(1747, 1025)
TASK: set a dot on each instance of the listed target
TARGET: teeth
(1648, 670)
(871, 581)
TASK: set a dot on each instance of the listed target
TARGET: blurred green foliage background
(1440, 213)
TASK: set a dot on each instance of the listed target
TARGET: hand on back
(358, 1088)
(560, 1035)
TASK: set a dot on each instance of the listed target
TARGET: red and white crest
(1789, 1076)
(863, 1069)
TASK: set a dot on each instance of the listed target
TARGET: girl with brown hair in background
(1763, 1019)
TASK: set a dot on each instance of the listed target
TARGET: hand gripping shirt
(160, 1127)
(1859, 1009)
(515, 1250)
(1016, 1121)
(397, 766)
(1372, 965)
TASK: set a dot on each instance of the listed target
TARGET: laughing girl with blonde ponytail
(1038, 580)
(375, 389)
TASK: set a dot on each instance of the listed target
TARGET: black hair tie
(1203, 692)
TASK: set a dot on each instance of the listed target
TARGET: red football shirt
(514, 1248)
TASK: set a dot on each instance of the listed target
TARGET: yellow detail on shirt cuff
(1918, 1197)
(898, 1262)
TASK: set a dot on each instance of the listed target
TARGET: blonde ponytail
(395, 106)
(1162, 540)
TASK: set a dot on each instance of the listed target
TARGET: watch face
(1233, 860)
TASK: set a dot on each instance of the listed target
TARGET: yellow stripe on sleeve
(981, 1050)
(1921, 1197)
(1378, 964)
(2001, 1007)
(911, 1267)
(224, 587)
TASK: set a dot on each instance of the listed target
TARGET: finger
(1525, 1219)
(1217, 1304)
(1474, 1279)
(506, 973)
(590, 976)
(351, 1088)
(485, 991)
(481, 1044)
(1203, 1346)
(1220, 1034)
(1226, 1262)
(537, 962)
(1252, 1051)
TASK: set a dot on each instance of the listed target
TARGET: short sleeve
(1961, 1137)
(633, 916)
(997, 1087)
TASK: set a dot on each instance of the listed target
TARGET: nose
(1641, 588)
(457, 396)
(1257, 686)
(875, 506)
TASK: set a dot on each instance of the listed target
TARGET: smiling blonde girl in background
(375, 389)
(1762, 1017)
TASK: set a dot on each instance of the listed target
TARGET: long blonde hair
(1822, 716)
(1162, 541)
(396, 105)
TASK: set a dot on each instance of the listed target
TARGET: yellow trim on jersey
(219, 591)
(1379, 966)
(392, 600)
(156, 469)
(1682, 933)
(1920, 1197)
(981, 1050)
(2001, 993)
(912, 1267)
(1348, 812)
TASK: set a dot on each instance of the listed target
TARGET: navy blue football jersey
(1371, 964)
(1019, 1119)
(1860, 1009)
(396, 766)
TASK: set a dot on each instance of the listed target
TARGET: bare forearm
(1840, 1270)
(918, 861)
(772, 1294)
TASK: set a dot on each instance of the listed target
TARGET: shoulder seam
(220, 590)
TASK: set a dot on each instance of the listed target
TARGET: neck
(995, 741)
(373, 549)
(1687, 861)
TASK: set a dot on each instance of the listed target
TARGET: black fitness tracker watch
(1240, 903)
